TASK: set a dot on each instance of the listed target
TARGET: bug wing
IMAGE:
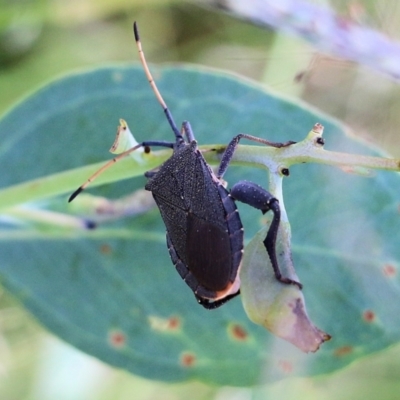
(168, 188)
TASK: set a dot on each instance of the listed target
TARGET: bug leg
(151, 174)
(212, 305)
(257, 197)
(232, 146)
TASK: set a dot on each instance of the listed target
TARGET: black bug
(204, 230)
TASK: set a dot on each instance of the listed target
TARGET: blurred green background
(42, 39)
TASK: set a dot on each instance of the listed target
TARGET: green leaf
(113, 291)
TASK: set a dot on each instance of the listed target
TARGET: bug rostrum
(203, 227)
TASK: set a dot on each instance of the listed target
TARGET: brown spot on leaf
(299, 76)
(117, 339)
(238, 332)
(170, 324)
(285, 366)
(369, 316)
(343, 351)
(174, 323)
(105, 249)
(34, 186)
(389, 270)
(188, 360)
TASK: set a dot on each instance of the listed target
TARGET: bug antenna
(105, 167)
(153, 84)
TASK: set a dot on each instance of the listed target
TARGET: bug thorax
(180, 144)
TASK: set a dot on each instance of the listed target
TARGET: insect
(204, 231)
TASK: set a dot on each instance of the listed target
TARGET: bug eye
(319, 141)
(284, 171)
